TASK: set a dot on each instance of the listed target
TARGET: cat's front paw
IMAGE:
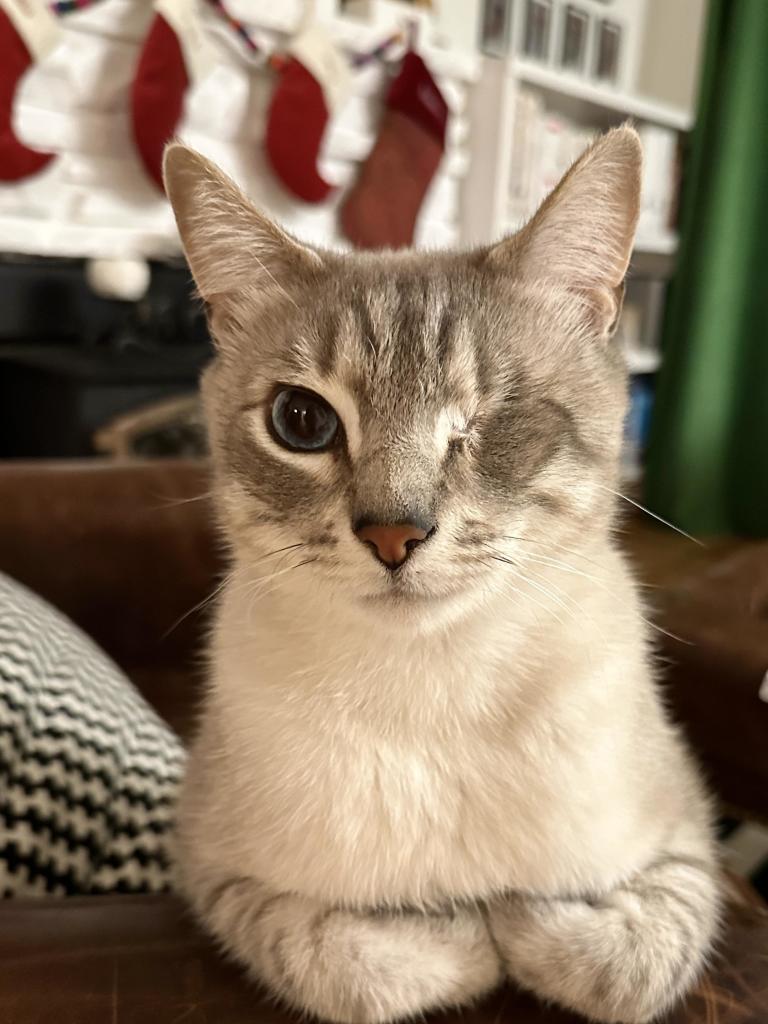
(622, 959)
(372, 968)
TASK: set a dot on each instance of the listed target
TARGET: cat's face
(409, 433)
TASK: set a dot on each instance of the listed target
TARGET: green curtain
(707, 467)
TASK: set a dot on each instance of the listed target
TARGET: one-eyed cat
(433, 754)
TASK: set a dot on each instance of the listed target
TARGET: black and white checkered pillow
(88, 771)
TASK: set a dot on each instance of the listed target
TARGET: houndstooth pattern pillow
(88, 771)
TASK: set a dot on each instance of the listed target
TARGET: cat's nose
(392, 544)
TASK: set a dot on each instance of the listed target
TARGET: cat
(433, 754)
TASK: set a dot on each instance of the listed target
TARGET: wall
(670, 55)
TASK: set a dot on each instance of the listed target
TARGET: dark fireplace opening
(84, 375)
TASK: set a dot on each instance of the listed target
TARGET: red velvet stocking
(157, 95)
(313, 83)
(295, 126)
(16, 160)
(381, 208)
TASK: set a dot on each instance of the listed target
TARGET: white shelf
(602, 96)
(663, 243)
(642, 360)
(47, 237)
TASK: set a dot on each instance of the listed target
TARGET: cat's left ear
(581, 236)
(229, 245)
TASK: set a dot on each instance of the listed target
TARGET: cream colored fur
(386, 813)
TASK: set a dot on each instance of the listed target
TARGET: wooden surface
(141, 960)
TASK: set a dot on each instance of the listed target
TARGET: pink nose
(392, 544)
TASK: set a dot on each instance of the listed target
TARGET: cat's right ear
(580, 239)
(229, 245)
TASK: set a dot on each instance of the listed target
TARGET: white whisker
(200, 604)
(510, 588)
(551, 544)
(175, 502)
(554, 563)
(537, 585)
(254, 589)
(228, 578)
(563, 567)
(653, 515)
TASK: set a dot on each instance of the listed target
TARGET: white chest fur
(368, 773)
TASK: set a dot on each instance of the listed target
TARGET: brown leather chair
(128, 552)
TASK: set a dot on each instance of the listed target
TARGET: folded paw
(371, 968)
(625, 957)
(354, 967)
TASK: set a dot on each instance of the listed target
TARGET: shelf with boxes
(555, 73)
(524, 138)
(594, 44)
(531, 118)
(601, 97)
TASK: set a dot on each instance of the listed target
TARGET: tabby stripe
(365, 321)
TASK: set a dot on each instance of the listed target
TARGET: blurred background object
(98, 321)
(168, 428)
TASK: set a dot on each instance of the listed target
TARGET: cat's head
(397, 431)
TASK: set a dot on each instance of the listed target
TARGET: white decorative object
(127, 280)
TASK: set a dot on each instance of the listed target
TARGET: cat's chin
(420, 609)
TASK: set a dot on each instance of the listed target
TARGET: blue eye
(303, 421)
